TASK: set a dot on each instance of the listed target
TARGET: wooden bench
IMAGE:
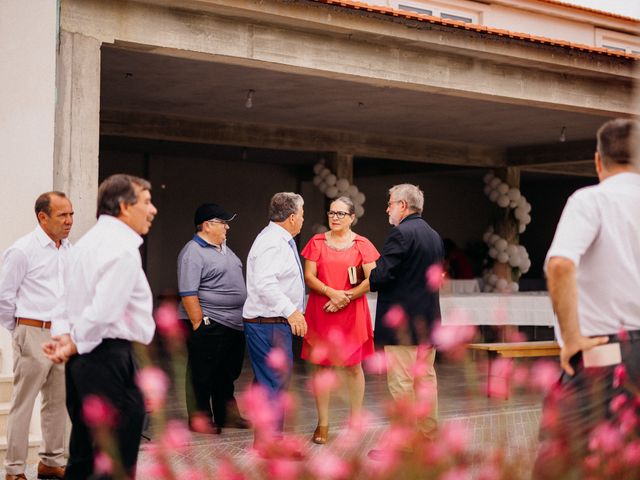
(515, 350)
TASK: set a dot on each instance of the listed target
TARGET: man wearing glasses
(213, 291)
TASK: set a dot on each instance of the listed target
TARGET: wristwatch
(206, 320)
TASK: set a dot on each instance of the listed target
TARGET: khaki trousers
(411, 374)
(34, 373)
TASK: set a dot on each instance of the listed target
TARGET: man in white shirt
(31, 285)
(107, 306)
(275, 300)
(593, 273)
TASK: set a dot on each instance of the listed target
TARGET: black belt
(266, 320)
(630, 336)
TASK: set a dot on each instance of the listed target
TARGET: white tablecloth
(529, 308)
(461, 286)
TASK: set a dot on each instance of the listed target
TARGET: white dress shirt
(275, 287)
(32, 278)
(107, 294)
(599, 231)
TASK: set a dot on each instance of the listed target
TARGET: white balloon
(360, 198)
(331, 192)
(317, 168)
(519, 213)
(503, 188)
(501, 284)
(503, 201)
(495, 182)
(487, 189)
(527, 207)
(511, 250)
(494, 238)
(493, 278)
(342, 184)
(513, 204)
(359, 211)
(514, 261)
(521, 228)
(527, 265)
(515, 287)
(487, 288)
(493, 253)
(501, 245)
(352, 191)
(502, 257)
(331, 179)
(325, 172)
(317, 180)
(488, 177)
(526, 219)
(323, 187)
(514, 194)
(493, 195)
(486, 236)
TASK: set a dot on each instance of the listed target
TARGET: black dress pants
(215, 356)
(108, 372)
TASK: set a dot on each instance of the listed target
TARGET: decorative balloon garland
(334, 187)
(500, 250)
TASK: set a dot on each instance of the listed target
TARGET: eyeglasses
(217, 220)
(391, 202)
(338, 214)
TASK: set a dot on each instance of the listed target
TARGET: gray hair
(351, 208)
(284, 204)
(410, 194)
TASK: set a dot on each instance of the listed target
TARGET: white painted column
(77, 133)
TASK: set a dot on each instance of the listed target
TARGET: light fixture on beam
(563, 136)
(249, 101)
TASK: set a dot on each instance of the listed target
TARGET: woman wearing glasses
(339, 323)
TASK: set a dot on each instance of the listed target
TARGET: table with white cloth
(461, 286)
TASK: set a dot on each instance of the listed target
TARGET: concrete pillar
(77, 132)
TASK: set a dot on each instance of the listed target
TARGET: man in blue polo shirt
(213, 292)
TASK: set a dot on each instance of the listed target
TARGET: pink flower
(498, 383)
(277, 359)
(451, 337)
(376, 363)
(395, 317)
(456, 437)
(618, 402)
(435, 277)
(489, 471)
(167, 321)
(592, 462)
(176, 436)
(501, 316)
(605, 438)
(98, 412)
(319, 353)
(544, 374)
(258, 408)
(102, 464)
(515, 336)
(619, 375)
(284, 469)
(628, 420)
(154, 384)
(457, 473)
(323, 381)
(327, 465)
(631, 453)
(623, 335)
(520, 375)
(227, 471)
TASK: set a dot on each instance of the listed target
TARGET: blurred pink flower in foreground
(619, 375)
(449, 338)
(605, 438)
(258, 407)
(277, 359)
(98, 412)
(631, 453)
(323, 381)
(456, 437)
(618, 402)
(319, 353)
(102, 464)
(395, 317)
(435, 277)
(154, 384)
(457, 473)
(176, 436)
(227, 471)
(327, 465)
(497, 385)
(284, 469)
(544, 374)
(167, 321)
(376, 363)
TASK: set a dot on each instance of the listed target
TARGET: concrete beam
(585, 168)
(344, 45)
(559, 153)
(161, 127)
(77, 126)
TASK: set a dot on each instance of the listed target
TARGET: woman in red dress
(340, 332)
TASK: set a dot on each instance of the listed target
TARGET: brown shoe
(46, 472)
(321, 435)
(20, 476)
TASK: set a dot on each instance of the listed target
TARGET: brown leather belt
(266, 320)
(33, 323)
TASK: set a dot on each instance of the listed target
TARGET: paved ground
(512, 423)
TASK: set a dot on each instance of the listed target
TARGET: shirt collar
(412, 215)
(281, 231)
(44, 239)
(122, 228)
(203, 243)
(622, 178)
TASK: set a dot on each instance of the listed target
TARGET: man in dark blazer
(407, 306)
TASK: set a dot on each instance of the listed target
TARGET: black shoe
(237, 422)
(209, 428)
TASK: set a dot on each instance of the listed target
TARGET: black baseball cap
(209, 211)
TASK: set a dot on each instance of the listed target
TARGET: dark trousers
(108, 372)
(578, 404)
(215, 356)
(261, 339)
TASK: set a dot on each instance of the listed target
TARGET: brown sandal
(321, 435)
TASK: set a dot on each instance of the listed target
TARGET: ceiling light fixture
(249, 101)
(563, 137)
